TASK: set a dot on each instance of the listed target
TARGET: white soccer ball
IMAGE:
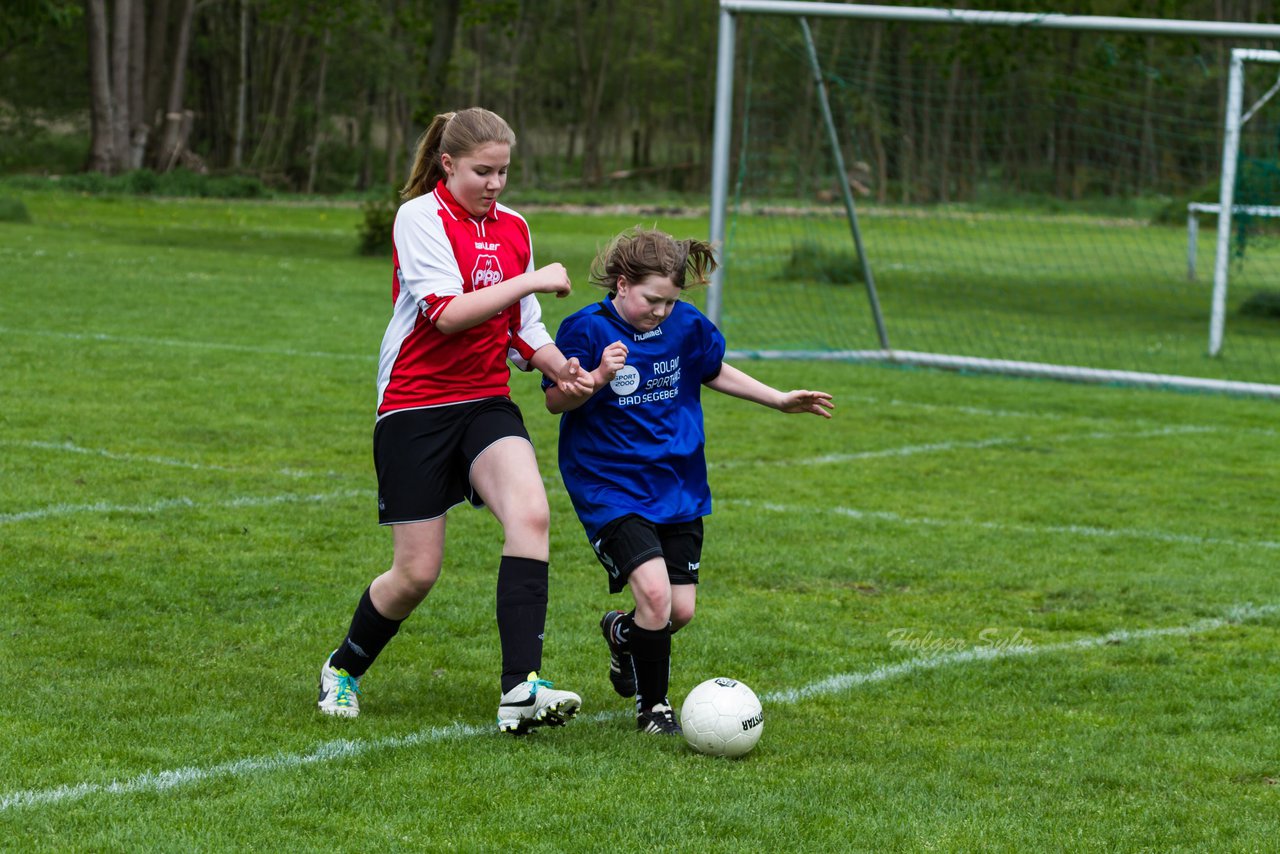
(722, 717)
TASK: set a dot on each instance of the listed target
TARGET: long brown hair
(456, 134)
(640, 252)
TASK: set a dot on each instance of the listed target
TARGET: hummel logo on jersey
(487, 272)
(652, 333)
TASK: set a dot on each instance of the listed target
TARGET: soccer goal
(995, 191)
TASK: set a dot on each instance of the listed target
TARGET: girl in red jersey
(463, 302)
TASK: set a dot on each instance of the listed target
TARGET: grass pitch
(982, 613)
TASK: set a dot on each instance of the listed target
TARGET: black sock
(651, 653)
(369, 633)
(522, 617)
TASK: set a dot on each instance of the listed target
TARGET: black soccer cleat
(622, 673)
(660, 720)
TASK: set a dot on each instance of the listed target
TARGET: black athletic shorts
(424, 456)
(630, 540)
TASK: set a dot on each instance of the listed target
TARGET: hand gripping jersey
(442, 251)
(636, 446)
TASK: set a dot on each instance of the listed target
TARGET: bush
(143, 182)
(811, 261)
(1262, 304)
(379, 219)
(26, 148)
(13, 210)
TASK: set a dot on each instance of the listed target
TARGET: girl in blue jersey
(631, 453)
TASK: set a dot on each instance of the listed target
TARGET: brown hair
(456, 134)
(640, 252)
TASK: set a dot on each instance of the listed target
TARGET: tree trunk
(138, 126)
(171, 140)
(242, 87)
(100, 123)
(269, 124)
(157, 68)
(444, 28)
(317, 138)
(364, 128)
(394, 136)
(592, 84)
(289, 117)
(121, 29)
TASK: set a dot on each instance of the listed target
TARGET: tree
(124, 76)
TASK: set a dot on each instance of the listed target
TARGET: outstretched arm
(736, 383)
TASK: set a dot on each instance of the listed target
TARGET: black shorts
(629, 541)
(424, 456)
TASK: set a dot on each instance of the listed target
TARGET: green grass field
(981, 613)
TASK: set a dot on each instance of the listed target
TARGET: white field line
(844, 681)
(72, 448)
(181, 504)
(162, 781)
(975, 444)
(195, 345)
(1007, 527)
(984, 412)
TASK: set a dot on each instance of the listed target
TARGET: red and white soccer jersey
(442, 251)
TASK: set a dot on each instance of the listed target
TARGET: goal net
(991, 197)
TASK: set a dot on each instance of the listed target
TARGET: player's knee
(415, 576)
(653, 604)
(681, 615)
(529, 521)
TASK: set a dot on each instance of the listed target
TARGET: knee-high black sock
(369, 633)
(651, 652)
(522, 617)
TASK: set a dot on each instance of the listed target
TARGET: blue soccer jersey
(636, 446)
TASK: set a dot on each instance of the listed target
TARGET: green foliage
(143, 182)
(379, 218)
(812, 261)
(13, 210)
(27, 147)
(1174, 210)
(1265, 304)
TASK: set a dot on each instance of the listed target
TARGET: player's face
(478, 178)
(646, 303)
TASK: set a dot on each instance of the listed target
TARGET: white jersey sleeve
(428, 268)
(530, 335)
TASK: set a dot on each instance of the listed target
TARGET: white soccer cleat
(535, 703)
(339, 692)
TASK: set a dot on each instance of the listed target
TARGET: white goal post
(1235, 120)
(732, 12)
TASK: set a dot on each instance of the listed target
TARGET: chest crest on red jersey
(486, 272)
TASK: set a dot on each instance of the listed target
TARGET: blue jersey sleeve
(711, 354)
